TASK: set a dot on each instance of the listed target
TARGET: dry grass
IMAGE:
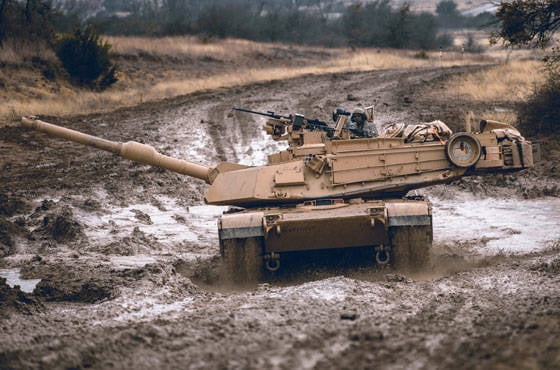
(511, 82)
(497, 89)
(505, 56)
(180, 46)
(236, 53)
(495, 52)
(236, 50)
(17, 53)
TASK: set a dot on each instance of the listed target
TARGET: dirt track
(126, 253)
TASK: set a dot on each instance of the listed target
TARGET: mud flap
(411, 234)
(411, 246)
(242, 260)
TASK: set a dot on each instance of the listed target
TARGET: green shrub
(86, 58)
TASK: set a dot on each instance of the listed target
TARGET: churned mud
(124, 258)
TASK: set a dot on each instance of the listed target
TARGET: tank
(331, 188)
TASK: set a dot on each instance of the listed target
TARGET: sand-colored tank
(330, 189)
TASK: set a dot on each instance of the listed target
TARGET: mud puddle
(127, 262)
(167, 227)
(13, 278)
(494, 226)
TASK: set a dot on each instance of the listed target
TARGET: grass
(18, 53)
(498, 88)
(238, 62)
(228, 49)
(512, 82)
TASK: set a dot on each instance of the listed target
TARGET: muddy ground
(127, 254)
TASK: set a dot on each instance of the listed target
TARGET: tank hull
(399, 232)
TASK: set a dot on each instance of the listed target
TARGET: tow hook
(272, 261)
(382, 255)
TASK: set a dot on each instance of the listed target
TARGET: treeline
(226, 18)
(312, 22)
(377, 24)
(38, 21)
(326, 22)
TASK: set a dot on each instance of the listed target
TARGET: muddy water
(497, 226)
(169, 225)
(13, 278)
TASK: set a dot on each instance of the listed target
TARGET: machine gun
(297, 121)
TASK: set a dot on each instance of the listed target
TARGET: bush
(421, 55)
(86, 58)
(444, 40)
(471, 46)
(539, 114)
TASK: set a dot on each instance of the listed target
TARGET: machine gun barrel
(130, 150)
(270, 114)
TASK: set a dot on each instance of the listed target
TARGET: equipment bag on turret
(419, 133)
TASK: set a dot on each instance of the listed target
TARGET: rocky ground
(126, 253)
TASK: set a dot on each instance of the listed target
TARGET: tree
(2, 10)
(448, 15)
(30, 21)
(539, 114)
(527, 22)
(533, 23)
(401, 28)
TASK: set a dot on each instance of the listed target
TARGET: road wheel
(242, 260)
(411, 246)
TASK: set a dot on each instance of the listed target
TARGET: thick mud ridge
(118, 263)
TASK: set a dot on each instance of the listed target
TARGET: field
(127, 254)
(152, 69)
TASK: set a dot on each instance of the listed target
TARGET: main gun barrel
(130, 150)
